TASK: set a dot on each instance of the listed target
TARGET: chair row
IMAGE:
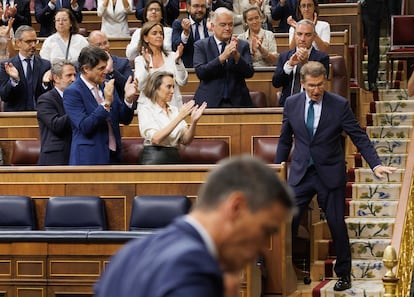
(200, 151)
(84, 217)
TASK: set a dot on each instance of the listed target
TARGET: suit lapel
(18, 64)
(36, 72)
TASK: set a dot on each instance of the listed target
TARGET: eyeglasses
(306, 5)
(30, 42)
(198, 6)
(62, 20)
(155, 9)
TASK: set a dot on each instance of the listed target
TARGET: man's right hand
(186, 25)
(11, 71)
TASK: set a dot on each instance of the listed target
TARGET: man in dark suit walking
(222, 63)
(316, 120)
(45, 11)
(24, 77)
(287, 71)
(95, 110)
(54, 124)
(186, 31)
(117, 67)
(239, 207)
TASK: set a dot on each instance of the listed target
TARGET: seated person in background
(155, 58)
(45, 11)
(96, 111)
(118, 68)
(188, 30)
(24, 77)
(222, 63)
(162, 124)
(262, 42)
(114, 15)
(153, 12)
(66, 43)
(212, 5)
(287, 71)
(54, 123)
(172, 8)
(19, 10)
(6, 36)
(309, 10)
(410, 85)
(239, 207)
(281, 11)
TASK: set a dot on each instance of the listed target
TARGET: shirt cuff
(130, 105)
(287, 68)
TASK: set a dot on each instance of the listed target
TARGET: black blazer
(188, 53)
(16, 98)
(22, 16)
(55, 129)
(122, 70)
(281, 79)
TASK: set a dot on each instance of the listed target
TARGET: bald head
(98, 38)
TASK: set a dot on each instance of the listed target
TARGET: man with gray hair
(239, 207)
(287, 71)
(222, 63)
(54, 124)
(24, 77)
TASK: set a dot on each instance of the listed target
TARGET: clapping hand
(197, 112)
(109, 91)
(11, 70)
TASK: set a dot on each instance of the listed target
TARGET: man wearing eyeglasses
(186, 31)
(316, 120)
(289, 63)
(24, 77)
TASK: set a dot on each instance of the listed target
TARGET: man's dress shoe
(343, 283)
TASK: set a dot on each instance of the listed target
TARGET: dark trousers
(332, 202)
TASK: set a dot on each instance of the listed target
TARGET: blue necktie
(29, 80)
(196, 33)
(309, 125)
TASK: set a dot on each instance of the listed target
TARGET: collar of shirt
(158, 108)
(91, 86)
(22, 58)
(208, 241)
(218, 43)
(317, 108)
(59, 91)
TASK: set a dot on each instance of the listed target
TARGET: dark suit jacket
(174, 262)
(188, 53)
(55, 129)
(90, 136)
(213, 75)
(281, 13)
(220, 3)
(281, 79)
(172, 10)
(122, 70)
(326, 145)
(45, 16)
(22, 16)
(15, 98)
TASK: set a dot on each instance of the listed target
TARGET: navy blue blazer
(188, 53)
(22, 16)
(90, 136)
(45, 16)
(281, 79)
(174, 262)
(55, 129)
(326, 145)
(16, 98)
(122, 70)
(213, 75)
(281, 13)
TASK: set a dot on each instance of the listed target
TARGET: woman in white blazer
(114, 15)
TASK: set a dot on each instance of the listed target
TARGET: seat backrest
(402, 31)
(131, 150)
(25, 152)
(204, 151)
(265, 148)
(152, 212)
(17, 213)
(258, 98)
(75, 213)
(339, 76)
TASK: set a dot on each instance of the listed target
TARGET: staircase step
(370, 227)
(372, 288)
(372, 208)
(394, 160)
(368, 269)
(376, 191)
(392, 119)
(365, 175)
(396, 146)
(389, 132)
(394, 106)
(368, 248)
(393, 94)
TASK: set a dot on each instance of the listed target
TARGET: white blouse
(132, 48)
(323, 29)
(114, 19)
(54, 47)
